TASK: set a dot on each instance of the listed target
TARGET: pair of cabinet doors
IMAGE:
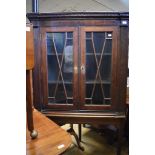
(79, 67)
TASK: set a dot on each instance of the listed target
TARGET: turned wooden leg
(72, 132)
(33, 133)
(119, 142)
(71, 126)
(79, 129)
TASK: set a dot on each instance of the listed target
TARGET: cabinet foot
(72, 132)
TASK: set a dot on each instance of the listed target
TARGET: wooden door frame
(44, 71)
(114, 67)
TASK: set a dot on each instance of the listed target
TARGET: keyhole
(82, 69)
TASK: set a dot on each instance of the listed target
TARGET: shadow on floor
(95, 143)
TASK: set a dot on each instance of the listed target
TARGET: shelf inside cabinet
(60, 82)
(90, 53)
(99, 82)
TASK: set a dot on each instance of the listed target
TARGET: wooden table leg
(79, 129)
(33, 133)
(72, 132)
(120, 136)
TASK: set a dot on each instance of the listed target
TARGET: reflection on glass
(68, 60)
(60, 67)
(50, 43)
(55, 41)
(59, 40)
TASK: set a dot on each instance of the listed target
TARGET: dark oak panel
(94, 89)
(94, 74)
(50, 137)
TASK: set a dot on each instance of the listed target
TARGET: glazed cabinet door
(59, 67)
(98, 69)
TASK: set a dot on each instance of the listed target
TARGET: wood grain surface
(29, 47)
(51, 140)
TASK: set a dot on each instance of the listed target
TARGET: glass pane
(60, 94)
(59, 39)
(108, 46)
(50, 44)
(105, 68)
(69, 89)
(70, 43)
(98, 68)
(60, 67)
(51, 88)
(53, 68)
(99, 38)
(98, 96)
(89, 88)
(68, 60)
(69, 35)
(91, 67)
(70, 101)
(88, 34)
(89, 46)
(106, 88)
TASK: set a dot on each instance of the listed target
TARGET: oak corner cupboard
(81, 66)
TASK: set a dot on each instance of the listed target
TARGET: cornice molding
(77, 15)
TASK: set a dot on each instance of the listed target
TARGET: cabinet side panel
(36, 71)
(123, 67)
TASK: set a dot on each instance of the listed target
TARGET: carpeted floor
(94, 143)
